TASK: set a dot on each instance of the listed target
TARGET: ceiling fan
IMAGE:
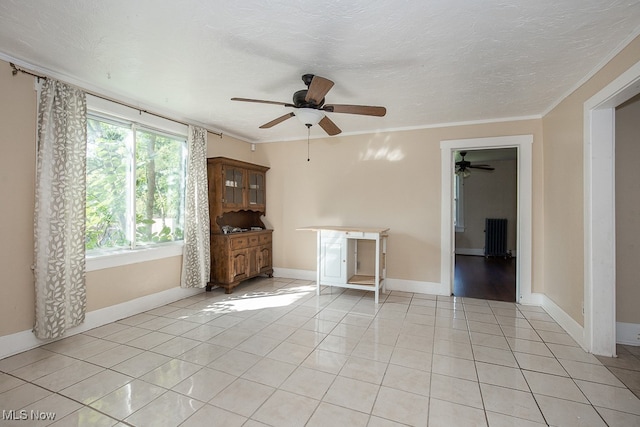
(462, 166)
(310, 107)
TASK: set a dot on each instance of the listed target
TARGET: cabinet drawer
(254, 240)
(239, 242)
(333, 234)
(265, 238)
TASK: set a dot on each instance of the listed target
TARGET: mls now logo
(15, 415)
(23, 414)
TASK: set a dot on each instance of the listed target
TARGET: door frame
(523, 143)
(599, 211)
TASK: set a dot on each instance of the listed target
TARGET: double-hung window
(136, 173)
(458, 205)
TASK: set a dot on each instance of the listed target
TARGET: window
(458, 202)
(135, 185)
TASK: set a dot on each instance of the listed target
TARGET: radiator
(495, 237)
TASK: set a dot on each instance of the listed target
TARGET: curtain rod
(15, 70)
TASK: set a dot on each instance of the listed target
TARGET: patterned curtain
(196, 258)
(59, 251)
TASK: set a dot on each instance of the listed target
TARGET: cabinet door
(254, 261)
(239, 265)
(233, 187)
(264, 257)
(256, 190)
(333, 258)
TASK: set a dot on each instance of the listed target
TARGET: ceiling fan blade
(276, 121)
(318, 89)
(328, 126)
(366, 110)
(487, 168)
(286, 104)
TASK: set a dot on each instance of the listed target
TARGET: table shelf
(337, 258)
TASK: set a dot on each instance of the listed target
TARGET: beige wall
(233, 148)
(563, 187)
(17, 187)
(116, 285)
(17, 177)
(489, 195)
(389, 180)
(627, 211)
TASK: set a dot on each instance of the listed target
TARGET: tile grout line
(334, 304)
(544, 417)
(475, 364)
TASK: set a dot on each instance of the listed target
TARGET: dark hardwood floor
(489, 278)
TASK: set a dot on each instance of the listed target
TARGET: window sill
(460, 229)
(108, 259)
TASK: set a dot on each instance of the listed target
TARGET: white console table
(338, 258)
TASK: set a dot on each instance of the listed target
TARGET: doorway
(523, 144)
(627, 176)
(485, 220)
(599, 211)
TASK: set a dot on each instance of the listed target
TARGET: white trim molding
(469, 251)
(535, 299)
(391, 284)
(100, 260)
(628, 333)
(415, 286)
(599, 211)
(566, 322)
(289, 273)
(26, 340)
(524, 215)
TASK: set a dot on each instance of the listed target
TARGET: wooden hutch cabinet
(241, 246)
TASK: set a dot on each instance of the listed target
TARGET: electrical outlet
(638, 337)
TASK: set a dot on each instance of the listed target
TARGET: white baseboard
(26, 340)
(392, 284)
(477, 252)
(417, 287)
(628, 333)
(290, 273)
(532, 299)
(470, 251)
(573, 328)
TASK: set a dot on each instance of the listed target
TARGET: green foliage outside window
(151, 190)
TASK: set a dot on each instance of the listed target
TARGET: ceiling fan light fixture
(463, 173)
(309, 116)
(308, 105)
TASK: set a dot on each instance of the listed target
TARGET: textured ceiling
(429, 62)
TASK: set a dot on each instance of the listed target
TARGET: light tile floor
(273, 353)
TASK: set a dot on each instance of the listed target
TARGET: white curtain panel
(196, 258)
(59, 221)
